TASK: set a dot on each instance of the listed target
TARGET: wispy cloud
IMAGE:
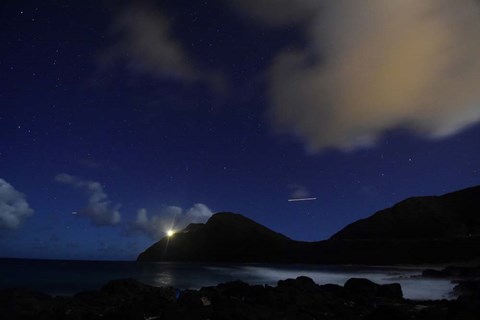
(172, 217)
(373, 66)
(298, 191)
(145, 44)
(279, 12)
(99, 208)
(14, 208)
(143, 41)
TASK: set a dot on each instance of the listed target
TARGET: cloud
(279, 12)
(298, 191)
(145, 43)
(14, 208)
(99, 208)
(199, 212)
(372, 66)
(154, 226)
(172, 217)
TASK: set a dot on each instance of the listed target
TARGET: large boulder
(390, 291)
(364, 288)
(300, 283)
(468, 288)
(361, 287)
(18, 303)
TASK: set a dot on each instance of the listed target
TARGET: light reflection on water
(69, 277)
(185, 276)
(164, 279)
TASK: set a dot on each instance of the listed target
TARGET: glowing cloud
(372, 66)
(99, 208)
(298, 191)
(169, 220)
(14, 208)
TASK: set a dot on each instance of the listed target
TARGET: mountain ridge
(429, 229)
(213, 241)
(451, 215)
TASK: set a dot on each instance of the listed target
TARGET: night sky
(119, 119)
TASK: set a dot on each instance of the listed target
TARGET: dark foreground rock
(453, 272)
(299, 298)
(468, 289)
(466, 278)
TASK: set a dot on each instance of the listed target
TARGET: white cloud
(172, 217)
(14, 208)
(198, 212)
(99, 208)
(298, 191)
(372, 66)
(154, 226)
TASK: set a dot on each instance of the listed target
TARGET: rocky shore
(298, 299)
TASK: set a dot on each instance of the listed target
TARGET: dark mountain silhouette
(454, 215)
(417, 230)
(225, 237)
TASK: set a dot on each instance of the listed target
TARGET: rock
(365, 288)
(333, 289)
(234, 289)
(190, 299)
(467, 288)
(390, 291)
(300, 298)
(463, 272)
(126, 287)
(453, 272)
(22, 303)
(464, 309)
(206, 301)
(300, 291)
(123, 299)
(300, 283)
(389, 313)
(361, 287)
(434, 312)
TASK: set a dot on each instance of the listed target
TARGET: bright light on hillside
(170, 233)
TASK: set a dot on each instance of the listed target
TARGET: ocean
(62, 277)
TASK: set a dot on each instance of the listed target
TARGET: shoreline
(66, 278)
(358, 298)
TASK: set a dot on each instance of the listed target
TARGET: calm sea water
(69, 277)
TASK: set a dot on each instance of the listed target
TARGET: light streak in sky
(301, 199)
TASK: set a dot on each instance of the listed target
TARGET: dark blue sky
(185, 108)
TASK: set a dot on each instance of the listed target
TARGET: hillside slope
(225, 237)
(435, 229)
(453, 215)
